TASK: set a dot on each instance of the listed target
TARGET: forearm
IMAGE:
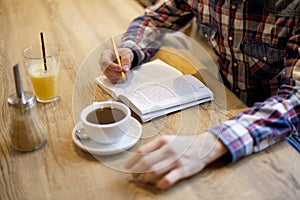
(145, 33)
(261, 125)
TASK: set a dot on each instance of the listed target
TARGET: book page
(154, 71)
(151, 96)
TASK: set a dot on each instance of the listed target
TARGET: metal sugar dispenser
(26, 129)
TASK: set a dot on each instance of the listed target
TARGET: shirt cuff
(235, 137)
(140, 55)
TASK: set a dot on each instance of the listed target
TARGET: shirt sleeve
(268, 122)
(144, 35)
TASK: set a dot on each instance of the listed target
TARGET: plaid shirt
(258, 45)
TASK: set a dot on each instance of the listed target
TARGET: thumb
(126, 59)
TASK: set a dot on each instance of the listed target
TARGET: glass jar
(26, 129)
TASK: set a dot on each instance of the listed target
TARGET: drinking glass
(44, 71)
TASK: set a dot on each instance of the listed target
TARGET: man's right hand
(111, 69)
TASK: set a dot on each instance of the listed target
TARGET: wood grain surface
(61, 170)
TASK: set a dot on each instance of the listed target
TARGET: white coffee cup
(106, 122)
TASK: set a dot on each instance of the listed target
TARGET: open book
(155, 89)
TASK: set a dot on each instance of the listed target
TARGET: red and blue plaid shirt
(258, 45)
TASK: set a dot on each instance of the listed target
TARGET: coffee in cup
(106, 122)
(105, 115)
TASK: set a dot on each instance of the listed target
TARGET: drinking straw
(43, 50)
(117, 55)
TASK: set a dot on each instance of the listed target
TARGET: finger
(157, 171)
(126, 59)
(133, 159)
(112, 76)
(146, 148)
(112, 66)
(126, 68)
(170, 179)
(112, 73)
(154, 145)
(106, 58)
(145, 164)
(107, 61)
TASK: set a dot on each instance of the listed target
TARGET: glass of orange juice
(44, 73)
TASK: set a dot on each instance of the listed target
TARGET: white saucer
(126, 142)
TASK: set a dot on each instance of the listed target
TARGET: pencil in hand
(117, 56)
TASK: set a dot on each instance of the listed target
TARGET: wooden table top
(61, 170)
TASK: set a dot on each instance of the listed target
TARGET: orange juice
(46, 83)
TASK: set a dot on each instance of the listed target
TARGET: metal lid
(16, 102)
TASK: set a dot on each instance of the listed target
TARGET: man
(258, 45)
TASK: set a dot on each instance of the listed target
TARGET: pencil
(117, 56)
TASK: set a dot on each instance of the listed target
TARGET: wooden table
(60, 170)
